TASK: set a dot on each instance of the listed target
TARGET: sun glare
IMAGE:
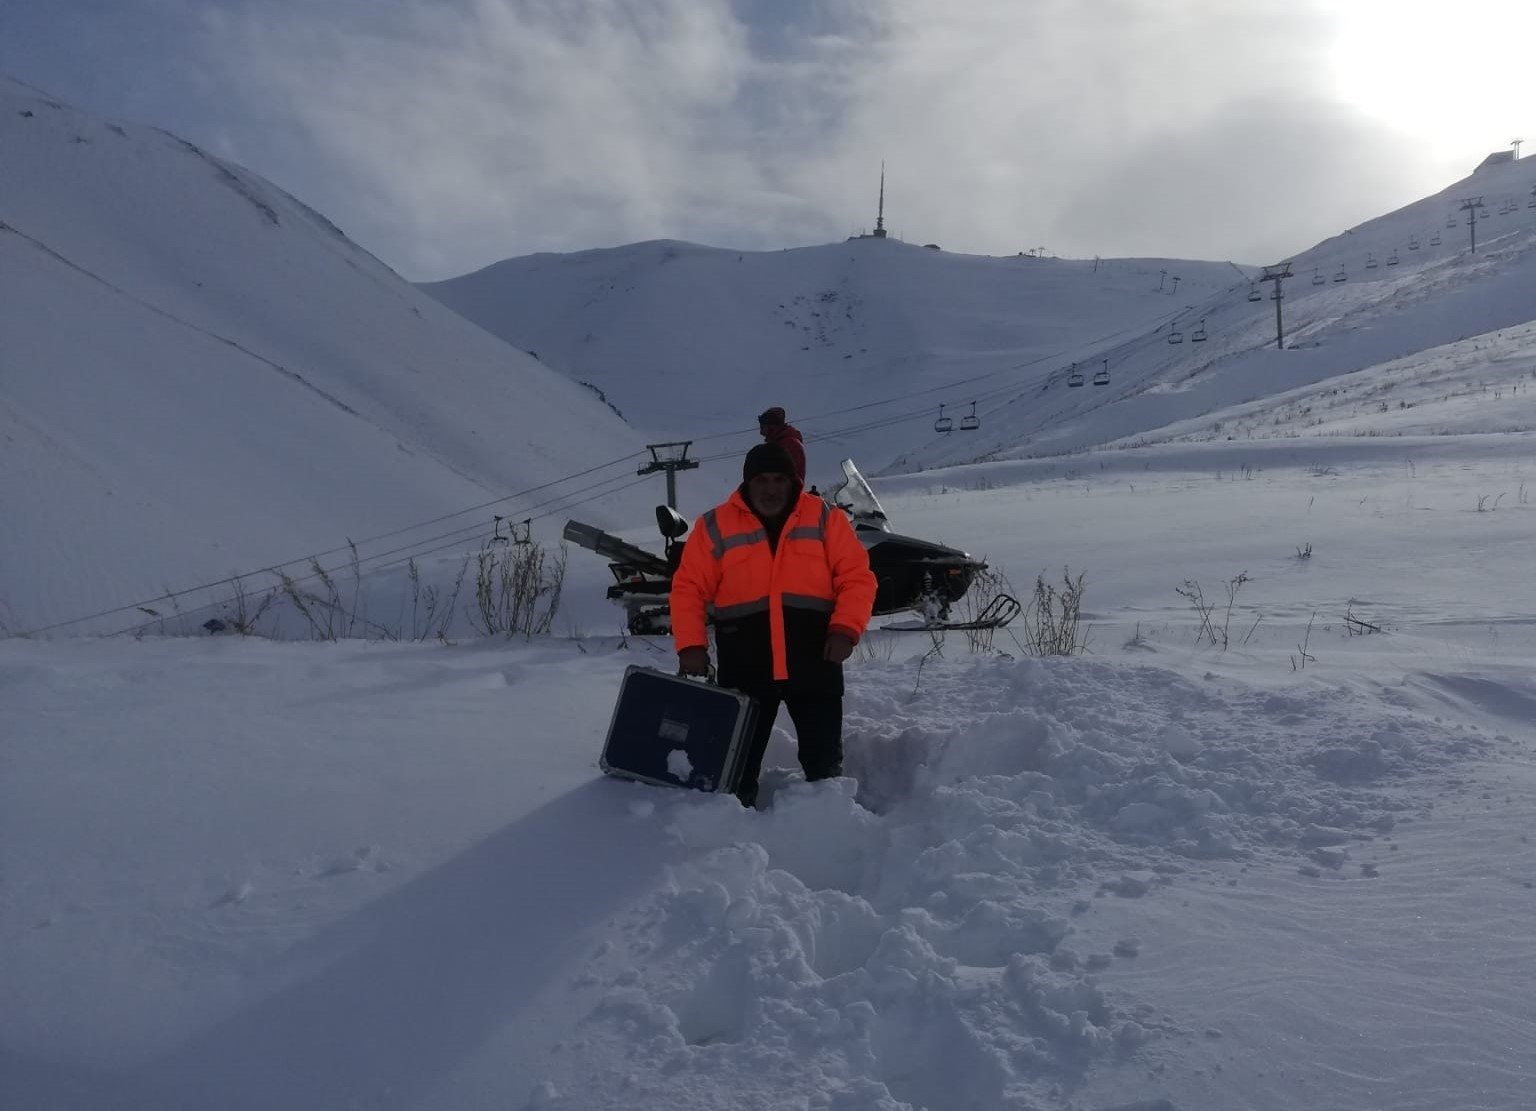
(1451, 76)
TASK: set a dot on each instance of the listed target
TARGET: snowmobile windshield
(855, 496)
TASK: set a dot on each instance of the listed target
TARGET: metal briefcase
(678, 732)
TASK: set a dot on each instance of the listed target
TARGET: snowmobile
(912, 575)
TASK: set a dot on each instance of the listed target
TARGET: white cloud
(470, 131)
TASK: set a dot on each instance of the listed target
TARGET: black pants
(818, 718)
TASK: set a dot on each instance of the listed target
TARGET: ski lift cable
(947, 386)
(1114, 351)
(559, 504)
(460, 535)
(455, 539)
(1004, 390)
(925, 414)
(274, 568)
(846, 430)
(479, 532)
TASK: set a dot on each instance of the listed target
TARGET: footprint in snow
(235, 895)
(365, 859)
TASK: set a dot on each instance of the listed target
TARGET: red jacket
(773, 608)
(788, 437)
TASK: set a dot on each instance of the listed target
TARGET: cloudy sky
(444, 135)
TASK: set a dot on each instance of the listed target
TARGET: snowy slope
(298, 393)
(1433, 295)
(907, 329)
(1160, 876)
(728, 333)
(1290, 869)
(199, 375)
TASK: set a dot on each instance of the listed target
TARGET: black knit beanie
(768, 459)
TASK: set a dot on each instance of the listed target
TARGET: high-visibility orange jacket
(817, 581)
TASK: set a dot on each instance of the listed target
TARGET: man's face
(769, 493)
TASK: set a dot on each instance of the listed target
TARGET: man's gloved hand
(838, 648)
(693, 661)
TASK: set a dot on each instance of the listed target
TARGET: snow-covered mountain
(696, 340)
(691, 339)
(1259, 844)
(199, 375)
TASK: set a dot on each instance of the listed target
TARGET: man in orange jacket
(792, 594)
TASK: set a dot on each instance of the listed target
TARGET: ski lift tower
(1278, 274)
(1471, 206)
(672, 457)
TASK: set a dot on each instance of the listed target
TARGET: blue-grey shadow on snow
(408, 985)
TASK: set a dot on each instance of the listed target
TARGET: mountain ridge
(205, 376)
(915, 327)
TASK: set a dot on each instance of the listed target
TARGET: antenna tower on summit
(880, 212)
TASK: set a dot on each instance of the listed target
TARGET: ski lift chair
(1450, 221)
(1175, 336)
(1198, 335)
(517, 532)
(943, 424)
(972, 422)
(1254, 294)
(1340, 276)
(1101, 376)
(1434, 240)
(1413, 243)
(1392, 258)
(1370, 262)
(1317, 276)
(1075, 378)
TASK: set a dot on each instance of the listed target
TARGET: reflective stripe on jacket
(818, 568)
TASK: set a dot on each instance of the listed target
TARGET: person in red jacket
(774, 430)
(792, 594)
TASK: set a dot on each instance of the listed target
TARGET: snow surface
(203, 377)
(1291, 870)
